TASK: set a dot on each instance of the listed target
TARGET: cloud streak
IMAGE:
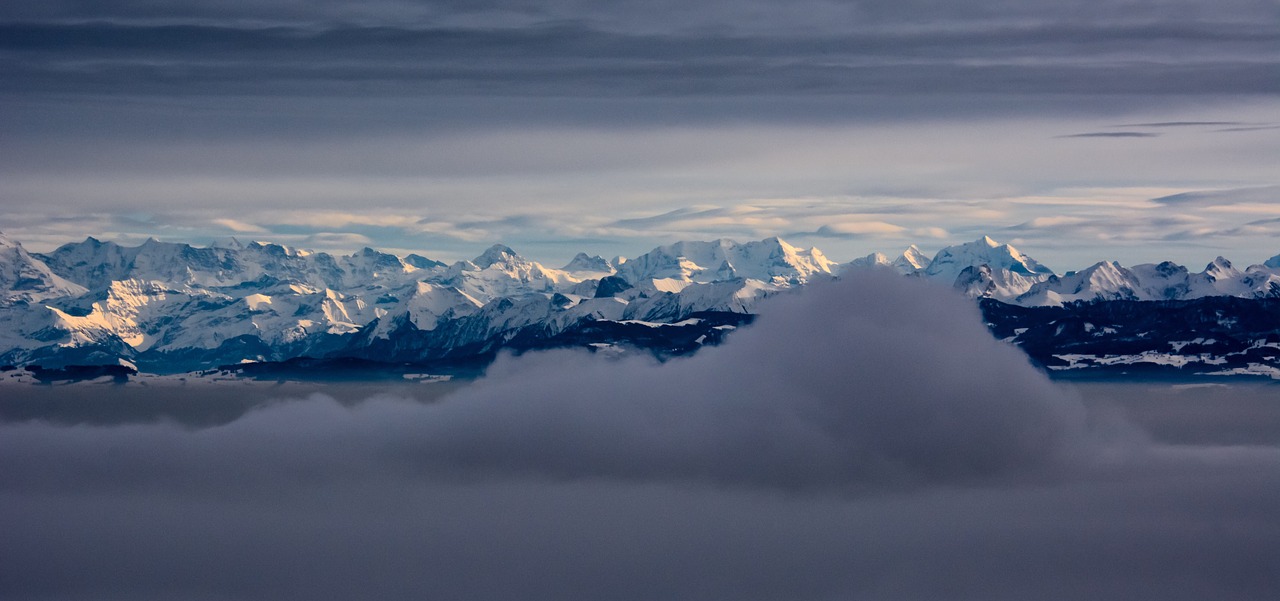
(1184, 124)
(574, 58)
(1113, 134)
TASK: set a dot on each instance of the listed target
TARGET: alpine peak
(498, 253)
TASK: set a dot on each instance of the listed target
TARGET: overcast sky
(1078, 131)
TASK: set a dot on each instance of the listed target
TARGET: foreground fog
(852, 444)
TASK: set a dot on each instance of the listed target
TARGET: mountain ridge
(171, 306)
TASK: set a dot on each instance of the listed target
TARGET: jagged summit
(769, 260)
(498, 253)
(1220, 268)
(230, 243)
(582, 262)
(422, 262)
(984, 251)
(911, 260)
(1011, 273)
(26, 279)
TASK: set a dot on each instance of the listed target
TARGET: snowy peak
(876, 259)
(950, 261)
(229, 243)
(1154, 282)
(429, 305)
(770, 260)
(984, 251)
(1105, 280)
(497, 253)
(1220, 269)
(982, 281)
(500, 272)
(1008, 273)
(421, 262)
(369, 264)
(910, 261)
(584, 263)
(26, 279)
(278, 250)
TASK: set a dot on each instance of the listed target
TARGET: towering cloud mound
(875, 380)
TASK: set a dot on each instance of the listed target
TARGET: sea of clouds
(864, 439)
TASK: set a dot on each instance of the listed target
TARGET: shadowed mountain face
(1221, 336)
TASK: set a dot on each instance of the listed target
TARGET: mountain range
(169, 307)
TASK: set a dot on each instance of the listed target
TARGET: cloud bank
(864, 439)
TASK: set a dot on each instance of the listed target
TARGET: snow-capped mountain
(950, 261)
(982, 268)
(1164, 281)
(986, 268)
(27, 279)
(172, 307)
(175, 306)
(670, 268)
(589, 266)
(910, 261)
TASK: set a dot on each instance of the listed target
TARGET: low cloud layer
(866, 438)
(869, 381)
(872, 382)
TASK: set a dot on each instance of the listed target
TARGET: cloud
(1260, 195)
(1050, 222)
(1251, 128)
(336, 240)
(832, 401)
(603, 58)
(239, 226)
(827, 401)
(858, 228)
(1113, 134)
(866, 439)
(1183, 124)
(936, 233)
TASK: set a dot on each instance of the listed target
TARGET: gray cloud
(730, 15)
(1259, 194)
(828, 402)
(866, 439)
(1112, 134)
(578, 59)
(1182, 124)
(1252, 128)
